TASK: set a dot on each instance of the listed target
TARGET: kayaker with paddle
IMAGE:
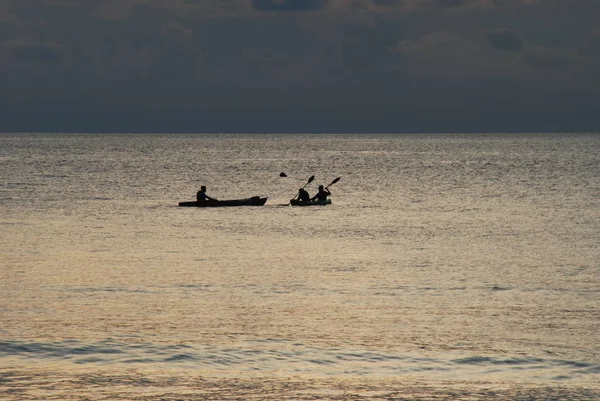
(303, 195)
(201, 195)
(322, 195)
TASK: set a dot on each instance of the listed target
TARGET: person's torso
(322, 196)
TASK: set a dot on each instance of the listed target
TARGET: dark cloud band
(38, 53)
(288, 5)
(505, 40)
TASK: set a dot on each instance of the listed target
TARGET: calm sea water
(448, 267)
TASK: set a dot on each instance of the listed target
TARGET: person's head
(320, 187)
(301, 190)
(203, 188)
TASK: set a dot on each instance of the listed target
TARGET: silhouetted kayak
(254, 201)
(295, 202)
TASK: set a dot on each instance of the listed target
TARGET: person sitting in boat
(201, 195)
(303, 195)
(322, 195)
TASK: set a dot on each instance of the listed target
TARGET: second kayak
(295, 202)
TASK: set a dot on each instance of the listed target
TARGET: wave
(268, 356)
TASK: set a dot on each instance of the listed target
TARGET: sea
(448, 267)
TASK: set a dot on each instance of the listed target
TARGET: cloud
(551, 57)
(442, 55)
(505, 39)
(450, 3)
(387, 3)
(369, 46)
(37, 52)
(404, 6)
(591, 45)
(10, 31)
(288, 5)
(5, 11)
(424, 59)
(501, 3)
(176, 30)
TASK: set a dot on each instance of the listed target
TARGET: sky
(300, 66)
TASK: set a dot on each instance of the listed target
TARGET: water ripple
(280, 356)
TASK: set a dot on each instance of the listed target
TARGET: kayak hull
(254, 201)
(295, 202)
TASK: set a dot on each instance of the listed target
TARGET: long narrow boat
(254, 201)
(296, 202)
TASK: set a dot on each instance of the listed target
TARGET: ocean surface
(449, 267)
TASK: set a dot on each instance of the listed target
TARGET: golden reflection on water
(146, 384)
(469, 264)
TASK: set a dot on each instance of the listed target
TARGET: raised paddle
(333, 182)
(311, 179)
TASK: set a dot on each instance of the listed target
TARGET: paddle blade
(312, 177)
(333, 182)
